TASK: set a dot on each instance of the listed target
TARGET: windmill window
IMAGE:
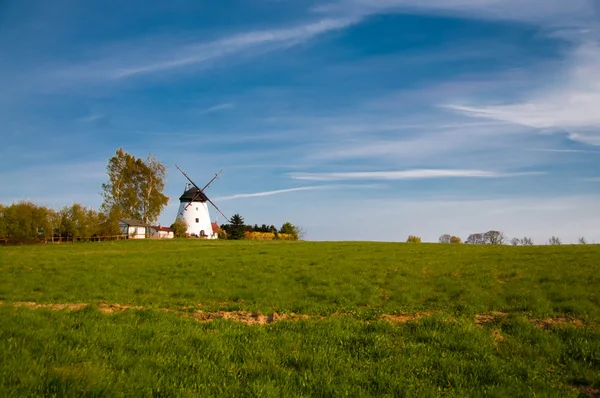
(196, 209)
(197, 220)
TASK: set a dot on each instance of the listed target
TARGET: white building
(193, 209)
(133, 229)
(159, 232)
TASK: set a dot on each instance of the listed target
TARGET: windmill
(193, 208)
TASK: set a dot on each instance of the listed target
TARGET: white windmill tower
(193, 208)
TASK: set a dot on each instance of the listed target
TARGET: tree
(413, 239)
(582, 241)
(134, 187)
(475, 239)
(555, 240)
(179, 227)
(455, 240)
(445, 238)
(3, 230)
(235, 230)
(494, 238)
(515, 241)
(527, 241)
(289, 229)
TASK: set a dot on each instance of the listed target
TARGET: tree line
(491, 238)
(134, 190)
(237, 230)
(26, 222)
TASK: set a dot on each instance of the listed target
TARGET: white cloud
(406, 175)
(270, 193)
(568, 103)
(550, 12)
(563, 150)
(216, 108)
(299, 189)
(145, 57)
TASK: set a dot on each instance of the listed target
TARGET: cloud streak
(217, 108)
(276, 192)
(418, 174)
(165, 55)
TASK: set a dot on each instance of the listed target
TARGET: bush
(259, 235)
(455, 240)
(413, 239)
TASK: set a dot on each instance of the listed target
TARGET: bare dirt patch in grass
(403, 318)
(589, 391)
(55, 307)
(110, 308)
(247, 317)
(482, 319)
(549, 323)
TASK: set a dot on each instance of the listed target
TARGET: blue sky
(359, 120)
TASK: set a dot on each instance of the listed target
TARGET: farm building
(134, 229)
(159, 232)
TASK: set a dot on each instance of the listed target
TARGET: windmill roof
(189, 195)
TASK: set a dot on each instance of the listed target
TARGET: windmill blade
(214, 178)
(186, 176)
(215, 206)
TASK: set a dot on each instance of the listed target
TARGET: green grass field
(198, 318)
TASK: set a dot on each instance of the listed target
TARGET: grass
(343, 347)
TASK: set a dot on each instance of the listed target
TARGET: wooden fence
(60, 239)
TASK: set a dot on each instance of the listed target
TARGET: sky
(354, 119)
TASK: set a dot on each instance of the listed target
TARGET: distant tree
(289, 229)
(301, 232)
(235, 231)
(3, 229)
(527, 241)
(582, 241)
(179, 227)
(134, 187)
(515, 241)
(445, 238)
(455, 240)
(494, 238)
(475, 239)
(555, 240)
(413, 239)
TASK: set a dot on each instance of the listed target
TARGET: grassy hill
(189, 318)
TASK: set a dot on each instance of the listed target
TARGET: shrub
(455, 240)
(413, 239)
(259, 235)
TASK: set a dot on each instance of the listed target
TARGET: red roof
(165, 229)
(215, 227)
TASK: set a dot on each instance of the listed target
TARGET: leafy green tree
(235, 230)
(3, 230)
(289, 229)
(135, 187)
(179, 227)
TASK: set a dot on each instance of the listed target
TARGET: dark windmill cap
(192, 193)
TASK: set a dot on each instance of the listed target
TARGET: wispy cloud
(592, 179)
(419, 174)
(168, 55)
(92, 118)
(289, 190)
(552, 12)
(565, 105)
(217, 108)
(562, 150)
